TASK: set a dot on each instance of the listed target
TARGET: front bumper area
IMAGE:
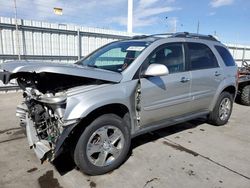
(41, 147)
(44, 149)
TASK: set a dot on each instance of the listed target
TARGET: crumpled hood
(14, 67)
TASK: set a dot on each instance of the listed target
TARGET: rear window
(225, 55)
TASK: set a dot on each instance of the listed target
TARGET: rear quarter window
(201, 57)
(225, 55)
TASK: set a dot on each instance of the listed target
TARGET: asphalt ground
(192, 154)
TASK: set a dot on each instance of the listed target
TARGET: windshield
(115, 56)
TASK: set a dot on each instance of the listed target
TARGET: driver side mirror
(156, 70)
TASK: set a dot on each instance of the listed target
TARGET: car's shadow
(64, 163)
(161, 133)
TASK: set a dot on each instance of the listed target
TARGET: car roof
(182, 35)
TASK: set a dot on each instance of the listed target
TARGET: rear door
(205, 73)
(163, 97)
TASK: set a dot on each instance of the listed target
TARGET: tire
(217, 118)
(103, 146)
(245, 95)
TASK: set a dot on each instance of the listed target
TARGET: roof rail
(179, 35)
(153, 35)
(140, 36)
(162, 34)
(194, 35)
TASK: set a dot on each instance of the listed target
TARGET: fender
(223, 85)
(80, 105)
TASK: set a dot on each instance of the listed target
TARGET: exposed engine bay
(52, 82)
(46, 114)
(45, 104)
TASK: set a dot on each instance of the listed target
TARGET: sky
(228, 19)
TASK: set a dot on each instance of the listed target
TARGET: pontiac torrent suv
(94, 107)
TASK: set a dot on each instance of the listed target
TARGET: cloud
(106, 13)
(146, 12)
(146, 3)
(219, 3)
(121, 20)
(211, 13)
(83, 12)
(172, 23)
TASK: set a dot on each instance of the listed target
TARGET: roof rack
(162, 34)
(140, 36)
(153, 35)
(179, 35)
(194, 35)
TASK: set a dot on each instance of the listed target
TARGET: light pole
(175, 25)
(198, 27)
(130, 17)
(17, 32)
(167, 21)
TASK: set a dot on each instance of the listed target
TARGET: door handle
(184, 79)
(217, 74)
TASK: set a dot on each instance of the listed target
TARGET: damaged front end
(45, 100)
(42, 116)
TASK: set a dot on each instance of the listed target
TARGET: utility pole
(167, 22)
(130, 17)
(175, 25)
(215, 33)
(198, 27)
(17, 33)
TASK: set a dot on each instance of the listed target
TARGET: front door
(167, 96)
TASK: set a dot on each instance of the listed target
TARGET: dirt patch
(149, 181)
(19, 132)
(180, 148)
(32, 170)
(92, 184)
(48, 181)
(8, 131)
(17, 138)
(191, 173)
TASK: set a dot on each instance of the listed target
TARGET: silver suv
(94, 107)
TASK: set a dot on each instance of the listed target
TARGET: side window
(225, 55)
(170, 55)
(201, 57)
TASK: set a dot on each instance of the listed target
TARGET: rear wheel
(103, 145)
(245, 95)
(222, 110)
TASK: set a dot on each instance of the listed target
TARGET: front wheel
(222, 110)
(103, 145)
